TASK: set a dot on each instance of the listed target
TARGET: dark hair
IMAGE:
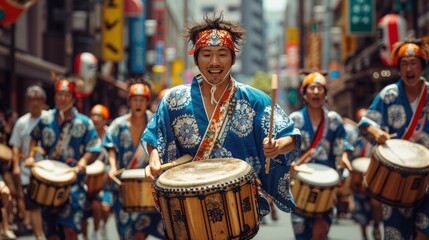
(215, 22)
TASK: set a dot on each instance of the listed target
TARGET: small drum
(398, 173)
(344, 188)
(314, 191)
(360, 165)
(209, 199)
(94, 177)
(5, 154)
(50, 183)
(137, 192)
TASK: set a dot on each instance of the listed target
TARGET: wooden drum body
(94, 177)
(50, 183)
(398, 173)
(209, 199)
(314, 191)
(137, 192)
(360, 166)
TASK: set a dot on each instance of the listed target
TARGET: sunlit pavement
(273, 230)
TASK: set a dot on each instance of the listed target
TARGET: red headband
(101, 110)
(65, 85)
(213, 37)
(410, 50)
(139, 89)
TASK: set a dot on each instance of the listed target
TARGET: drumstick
(303, 169)
(116, 180)
(37, 149)
(183, 159)
(274, 85)
(305, 156)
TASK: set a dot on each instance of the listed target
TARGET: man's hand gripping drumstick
(155, 168)
(378, 135)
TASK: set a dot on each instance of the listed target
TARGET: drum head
(403, 153)
(5, 152)
(133, 173)
(361, 164)
(53, 171)
(96, 167)
(204, 173)
(320, 175)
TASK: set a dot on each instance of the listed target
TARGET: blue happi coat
(179, 124)
(392, 112)
(80, 138)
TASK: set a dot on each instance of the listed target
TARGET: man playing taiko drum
(69, 137)
(122, 141)
(217, 117)
(401, 109)
(324, 142)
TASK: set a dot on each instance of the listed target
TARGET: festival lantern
(85, 69)
(392, 28)
(11, 10)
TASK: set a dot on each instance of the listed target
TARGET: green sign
(361, 17)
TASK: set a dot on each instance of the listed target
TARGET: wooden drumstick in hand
(274, 85)
(183, 159)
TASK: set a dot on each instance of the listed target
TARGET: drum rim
(379, 157)
(360, 159)
(124, 174)
(376, 155)
(6, 153)
(163, 190)
(93, 168)
(40, 177)
(300, 175)
(192, 185)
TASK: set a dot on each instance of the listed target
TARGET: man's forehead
(214, 49)
(409, 59)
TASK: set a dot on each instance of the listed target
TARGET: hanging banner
(112, 30)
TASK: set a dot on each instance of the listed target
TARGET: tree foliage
(262, 81)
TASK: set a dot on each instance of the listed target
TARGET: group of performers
(216, 117)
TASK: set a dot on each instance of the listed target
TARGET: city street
(278, 230)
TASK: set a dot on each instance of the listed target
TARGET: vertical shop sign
(112, 30)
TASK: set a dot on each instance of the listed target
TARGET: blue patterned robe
(362, 212)
(180, 122)
(81, 138)
(118, 136)
(328, 151)
(392, 112)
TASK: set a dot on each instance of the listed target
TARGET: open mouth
(215, 72)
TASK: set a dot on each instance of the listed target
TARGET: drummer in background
(98, 206)
(20, 141)
(366, 208)
(391, 112)
(69, 137)
(7, 121)
(323, 133)
(187, 112)
(122, 140)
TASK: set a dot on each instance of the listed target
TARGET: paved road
(279, 230)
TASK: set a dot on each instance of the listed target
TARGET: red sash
(319, 132)
(215, 125)
(422, 99)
